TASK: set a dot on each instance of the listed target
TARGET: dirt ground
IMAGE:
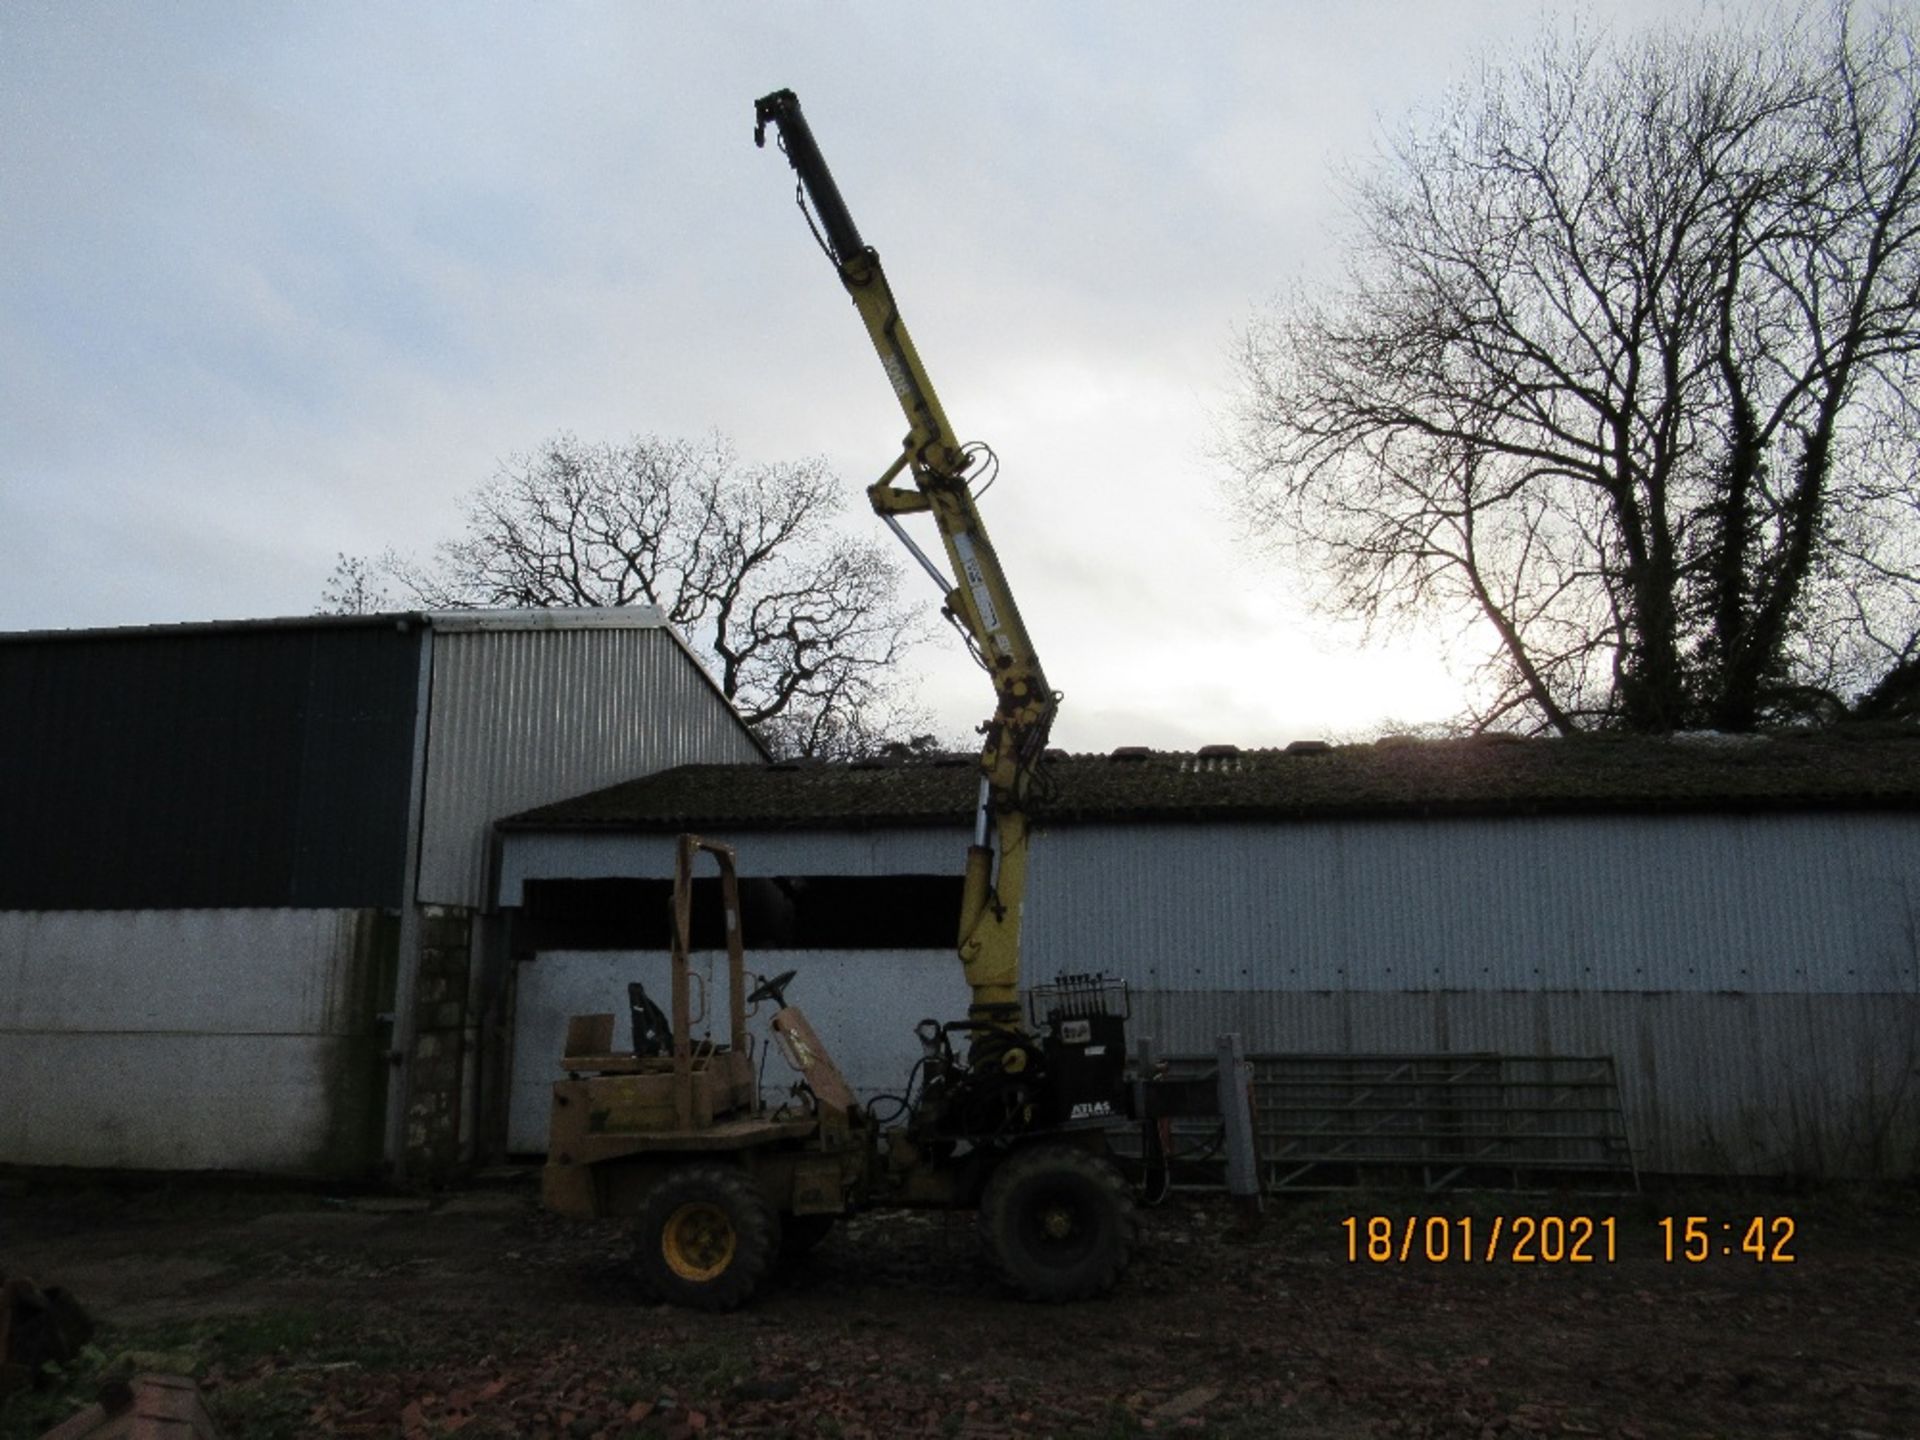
(304, 1313)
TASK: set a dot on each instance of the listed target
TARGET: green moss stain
(354, 1055)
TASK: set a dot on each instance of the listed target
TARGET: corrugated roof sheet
(1495, 775)
(626, 617)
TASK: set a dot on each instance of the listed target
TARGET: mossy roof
(1489, 775)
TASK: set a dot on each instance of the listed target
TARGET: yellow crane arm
(977, 594)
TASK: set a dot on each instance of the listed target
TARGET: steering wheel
(774, 989)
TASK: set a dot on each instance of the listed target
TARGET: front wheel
(707, 1237)
(1058, 1222)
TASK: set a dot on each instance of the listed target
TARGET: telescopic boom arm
(977, 594)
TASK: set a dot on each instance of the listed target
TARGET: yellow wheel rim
(698, 1241)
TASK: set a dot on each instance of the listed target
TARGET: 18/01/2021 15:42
(1556, 1239)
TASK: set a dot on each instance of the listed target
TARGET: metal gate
(1326, 1122)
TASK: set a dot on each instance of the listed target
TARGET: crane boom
(978, 597)
(1018, 1129)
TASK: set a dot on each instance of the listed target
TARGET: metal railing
(1436, 1122)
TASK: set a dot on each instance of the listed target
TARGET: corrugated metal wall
(1757, 978)
(238, 797)
(525, 717)
(1784, 903)
(251, 766)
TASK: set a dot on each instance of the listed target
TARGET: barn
(1715, 939)
(245, 869)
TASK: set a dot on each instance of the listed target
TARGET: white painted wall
(863, 1003)
(174, 1039)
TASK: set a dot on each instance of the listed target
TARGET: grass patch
(1263, 1423)
(274, 1408)
(706, 1367)
(273, 1405)
(28, 1414)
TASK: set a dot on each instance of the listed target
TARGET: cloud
(280, 282)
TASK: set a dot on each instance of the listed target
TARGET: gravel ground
(303, 1313)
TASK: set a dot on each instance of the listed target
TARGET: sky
(282, 282)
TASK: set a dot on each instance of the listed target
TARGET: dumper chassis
(722, 1186)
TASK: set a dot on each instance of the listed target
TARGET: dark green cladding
(207, 766)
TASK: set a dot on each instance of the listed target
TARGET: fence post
(1236, 1115)
(1145, 1060)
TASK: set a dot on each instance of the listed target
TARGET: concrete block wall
(196, 1039)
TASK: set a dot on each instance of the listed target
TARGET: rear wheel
(1059, 1223)
(707, 1237)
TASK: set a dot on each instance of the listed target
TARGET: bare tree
(801, 626)
(354, 588)
(1620, 371)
